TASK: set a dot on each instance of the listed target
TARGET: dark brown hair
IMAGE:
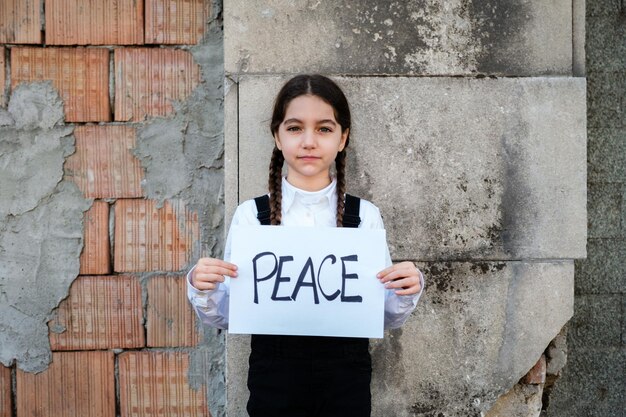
(327, 90)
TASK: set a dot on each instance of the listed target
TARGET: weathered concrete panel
(477, 330)
(521, 401)
(399, 37)
(481, 169)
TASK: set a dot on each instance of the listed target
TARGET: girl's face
(309, 138)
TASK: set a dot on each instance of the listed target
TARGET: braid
(275, 185)
(340, 163)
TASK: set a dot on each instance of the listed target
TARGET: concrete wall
(593, 382)
(473, 109)
(489, 196)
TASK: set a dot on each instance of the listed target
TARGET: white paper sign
(307, 281)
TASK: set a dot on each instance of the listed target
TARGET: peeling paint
(41, 223)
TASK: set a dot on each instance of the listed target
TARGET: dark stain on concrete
(502, 32)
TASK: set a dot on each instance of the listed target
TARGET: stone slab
(606, 155)
(578, 38)
(605, 209)
(624, 320)
(596, 322)
(521, 401)
(410, 37)
(606, 99)
(607, 43)
(231, 148)
(603, 8)
(481, 168)
(604, 269)
(477, 330)
(591, 384)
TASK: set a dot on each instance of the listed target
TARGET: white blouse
(299, 208)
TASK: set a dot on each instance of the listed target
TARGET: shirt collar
(292, 193)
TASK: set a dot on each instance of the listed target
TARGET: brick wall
(116, 64)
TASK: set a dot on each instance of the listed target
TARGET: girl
(295, 376)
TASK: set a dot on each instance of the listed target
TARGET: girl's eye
(326, 129)
(293, 128)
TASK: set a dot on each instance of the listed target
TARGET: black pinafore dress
(309, 376)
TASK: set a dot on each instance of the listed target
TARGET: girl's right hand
(209, 272)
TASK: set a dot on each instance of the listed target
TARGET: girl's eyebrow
(294, 120)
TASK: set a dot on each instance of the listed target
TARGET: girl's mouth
(308, 158)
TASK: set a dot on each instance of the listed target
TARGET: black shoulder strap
(351, 211)
(263, 209)
(350, 215)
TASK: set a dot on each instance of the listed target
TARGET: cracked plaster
(41, 222)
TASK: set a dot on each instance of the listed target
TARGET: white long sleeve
(300, 208)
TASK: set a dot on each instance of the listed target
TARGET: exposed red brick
(80, 74)
(20, 21)
(2, 76)
(95, 258)
(97, 22)
(537, 375)
(103, 165)
(176, 21)
(6, 405)
(154, 384)
(170, 319)
(103, 312)
(147, 80)
(151, 239)
(75, 384)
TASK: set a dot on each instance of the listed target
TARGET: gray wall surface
(489, 188)
(41, 222)
(399, 37)
(593, 382)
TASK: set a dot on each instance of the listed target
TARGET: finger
(385, 271)
(216, 262)
(402, 266)
(408, 291)
(204, 286)
(398, 273)
(210, 278)
(411, 288)
(216, 270)
(402, 283)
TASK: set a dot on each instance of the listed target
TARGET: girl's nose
(308, 139)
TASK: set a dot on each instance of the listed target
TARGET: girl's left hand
(405, 276)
